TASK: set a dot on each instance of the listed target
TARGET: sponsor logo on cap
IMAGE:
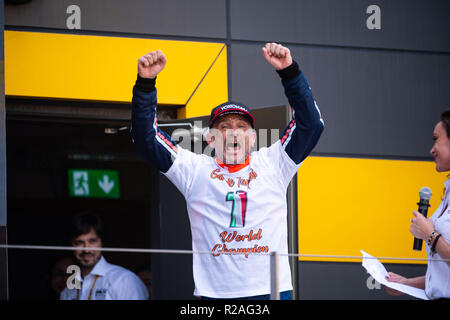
(234, 107)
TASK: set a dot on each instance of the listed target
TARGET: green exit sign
(89, 183)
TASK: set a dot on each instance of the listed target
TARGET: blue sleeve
(303, 131)
(153, 144)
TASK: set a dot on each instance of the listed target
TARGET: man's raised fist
(277, 56)
(151, 64)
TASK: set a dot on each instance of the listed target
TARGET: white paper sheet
(377, 270)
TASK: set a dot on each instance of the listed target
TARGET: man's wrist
(145, 84)
(290, 72)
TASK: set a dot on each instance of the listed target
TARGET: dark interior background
(39, 154)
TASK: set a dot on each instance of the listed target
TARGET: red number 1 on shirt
(238, 208)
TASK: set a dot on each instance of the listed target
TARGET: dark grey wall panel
(2, 125)
(347, 281)
(374, 102)
(253, 81)
(200, 18)
(405, 24)
(3, 216)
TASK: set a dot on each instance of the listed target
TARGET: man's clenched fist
(277, 56)
(151, 64)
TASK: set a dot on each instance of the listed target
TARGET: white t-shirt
(234, 214)
(437, 279)
(108, 282)
(238, 213)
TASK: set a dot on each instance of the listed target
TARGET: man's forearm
(154, 145)
(300, 97)
(303, 132)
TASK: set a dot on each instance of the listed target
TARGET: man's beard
(90, 262)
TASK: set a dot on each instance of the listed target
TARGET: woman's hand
(393, 277)
(421, 227)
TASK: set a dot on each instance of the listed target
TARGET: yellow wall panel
(346, 205)
(212, 91)
(100, 68)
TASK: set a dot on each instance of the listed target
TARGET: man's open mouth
(233, 146)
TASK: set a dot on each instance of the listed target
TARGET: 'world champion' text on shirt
(229, 237)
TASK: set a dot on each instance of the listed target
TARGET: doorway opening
(43, 155)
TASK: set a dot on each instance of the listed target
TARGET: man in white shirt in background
(99, 280)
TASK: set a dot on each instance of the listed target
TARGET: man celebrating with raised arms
(236, 201)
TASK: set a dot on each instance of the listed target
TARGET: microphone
(425, 196)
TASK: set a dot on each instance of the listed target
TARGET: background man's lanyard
(90, 291)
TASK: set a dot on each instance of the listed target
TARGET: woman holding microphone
(435, 231)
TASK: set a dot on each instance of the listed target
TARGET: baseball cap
(231, 107)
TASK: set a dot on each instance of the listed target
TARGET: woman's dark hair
(445, 119)
(84, 222)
